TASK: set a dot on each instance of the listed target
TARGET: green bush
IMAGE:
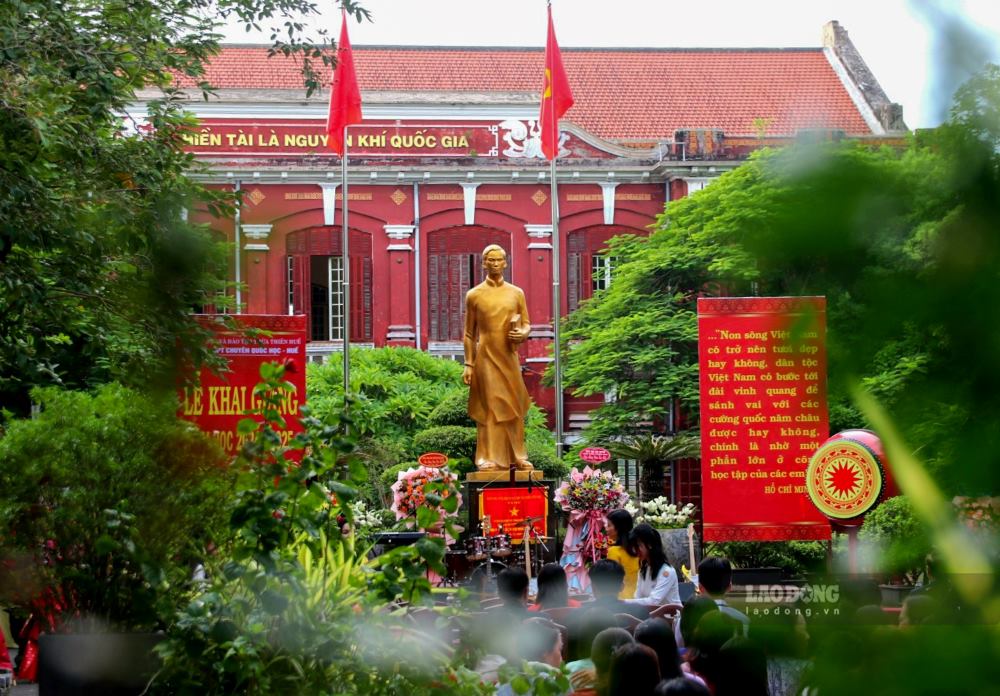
(901, 540)
(793, 557)
(456, 441)
(453, 410)
(395, 388)
(543, 456)
(390, 475)
(114, 496)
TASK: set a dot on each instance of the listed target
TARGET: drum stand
(486, 573)
(450, 579)
(492, 553)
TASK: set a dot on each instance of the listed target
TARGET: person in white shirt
(657, 583)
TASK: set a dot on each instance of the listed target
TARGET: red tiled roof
(620, 93)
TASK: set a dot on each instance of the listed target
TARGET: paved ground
(22, 689)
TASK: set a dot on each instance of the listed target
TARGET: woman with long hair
(618, 527)
(634, 671)
(553, 591)
(657, 583)
(659, 635)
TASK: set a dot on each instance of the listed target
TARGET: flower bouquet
(598, 549)
(424, 497)
(978, 514)
(591, 489)
(981, 516)
(588, 496)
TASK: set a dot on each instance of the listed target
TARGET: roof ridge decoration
(889, 115)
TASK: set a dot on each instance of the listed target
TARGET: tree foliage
(109, 500)
(652, 453)
(901, 243)
(99, 270)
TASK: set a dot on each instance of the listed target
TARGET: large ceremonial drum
(848, 475)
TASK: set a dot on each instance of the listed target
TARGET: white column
(400, 252)
(608, 192)
(329, 202)
(469, 196)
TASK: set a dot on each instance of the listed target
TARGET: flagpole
(556, 273)
(550, 121)
(345, 109)
(556, 300)
(345, 273)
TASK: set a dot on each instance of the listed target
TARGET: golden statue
(496, 323)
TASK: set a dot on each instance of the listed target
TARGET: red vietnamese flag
(345, 95)
(556, 95)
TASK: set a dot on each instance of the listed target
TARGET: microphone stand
(529, 526)
(556, 531)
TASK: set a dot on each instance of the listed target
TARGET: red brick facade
(447, 162)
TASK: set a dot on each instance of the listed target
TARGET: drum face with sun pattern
(845, 479)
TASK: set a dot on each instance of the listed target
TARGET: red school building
(448, 160)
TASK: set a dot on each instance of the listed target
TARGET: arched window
(589, 268)
(454, 265)
(314, 282)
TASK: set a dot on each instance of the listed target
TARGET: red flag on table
(345, 95)
(556, 95)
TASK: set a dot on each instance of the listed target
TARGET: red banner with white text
(762, 365)
(220, 402)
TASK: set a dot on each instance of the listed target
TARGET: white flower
(660, 512)
(365, 518)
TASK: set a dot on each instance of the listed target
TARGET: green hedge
(453, 410)
(543, 456)
(793, 557)
(457, 441)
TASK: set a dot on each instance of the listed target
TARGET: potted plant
(672, 521)
(900, 545)
(108, 501)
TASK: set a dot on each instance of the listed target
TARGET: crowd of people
(634, 637)
(610, 645)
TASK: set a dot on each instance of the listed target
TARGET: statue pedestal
(500, 476)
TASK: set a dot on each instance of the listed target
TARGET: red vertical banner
(219, 402)
(762, 367)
